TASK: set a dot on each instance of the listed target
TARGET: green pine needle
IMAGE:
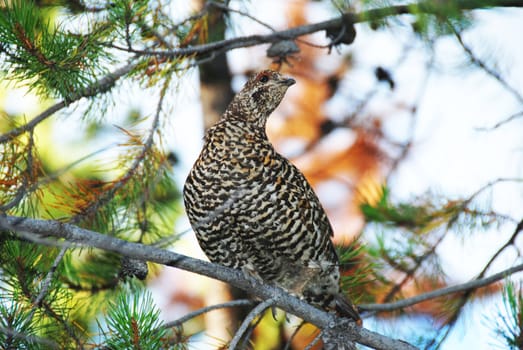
(508, 326)
(134, 322)
(43, 56)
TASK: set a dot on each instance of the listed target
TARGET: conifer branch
(214, 48)
(468, 292)
(138, 161)
(38, 228)
(484, 66)
(346, 19)
(46, 283)
(502, 122)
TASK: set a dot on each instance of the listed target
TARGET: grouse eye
(264, 78)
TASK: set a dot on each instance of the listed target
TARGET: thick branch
(38, 229)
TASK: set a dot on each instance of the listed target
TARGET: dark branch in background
(410, 273)
(503, 122)
(348, 19)
(483, 66)
(413, 115)
(37, 228)
(490, 184)
(492, 73)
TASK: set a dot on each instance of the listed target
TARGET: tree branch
(105, 83)
(38, 228)
(464, 287)
(428, 7)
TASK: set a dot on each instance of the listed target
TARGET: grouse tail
(346, 308)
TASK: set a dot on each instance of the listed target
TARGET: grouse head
(260, 96)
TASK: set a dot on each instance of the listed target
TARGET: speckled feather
(251, 209)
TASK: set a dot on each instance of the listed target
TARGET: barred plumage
(252, 209)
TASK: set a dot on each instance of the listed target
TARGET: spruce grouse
(251, 209)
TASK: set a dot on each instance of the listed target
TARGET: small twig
(46, 283)
(39, 300)
(264, 24)
(242, 13)
(422, 89)
(409, 274)
(191, 315)
(466, 296)
(255, 312)
(248, 333)
(108, 195)
(503, 122)
(467, 201)
(508, 243)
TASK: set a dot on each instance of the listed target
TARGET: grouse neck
(248, 110)
(240, 126)
(251, 122)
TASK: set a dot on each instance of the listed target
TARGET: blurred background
(410, 133)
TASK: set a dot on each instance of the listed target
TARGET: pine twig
(255, 312)
(147, 145)
(501, 123)
(293, 335)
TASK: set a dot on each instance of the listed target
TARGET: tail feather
(346, 308)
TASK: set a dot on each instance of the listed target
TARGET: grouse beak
(287, 81)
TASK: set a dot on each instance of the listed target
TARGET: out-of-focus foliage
(51, 293)
(133, 322)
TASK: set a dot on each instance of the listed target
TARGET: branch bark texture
(40, 229)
